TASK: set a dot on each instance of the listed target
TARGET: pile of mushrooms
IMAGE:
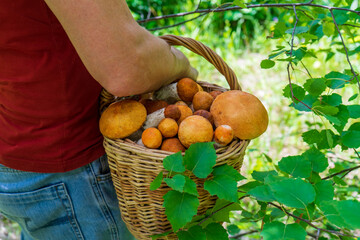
(182, 113)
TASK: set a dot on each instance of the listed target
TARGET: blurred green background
(242, 39)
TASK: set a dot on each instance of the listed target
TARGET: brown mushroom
(242, 111)
(151, 138)
(184, 90)
(154, 105)
(172, 145)
(202, 100)
(172, 111)
(181, 103)
(215, 93)
(195, 129)
(122, 118)
(168, 127)
(205, 114)
(185, 112)
(223, 135)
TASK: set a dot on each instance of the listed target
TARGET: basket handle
(207, 53)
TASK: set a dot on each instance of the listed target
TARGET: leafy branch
(227, 8)
(310, 223)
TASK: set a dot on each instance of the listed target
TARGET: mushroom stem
(168, 93)
(153, 119)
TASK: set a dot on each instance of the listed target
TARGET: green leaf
(325, 109)
(298, 30)
(336, 80)
(344, 214)
(174, 163)
(223, 186)
(157, 182)
(298, 91)
(190, 186)
(157, 236)
(214, 231)
(262, 193)
(297, 166)
(340, 120)
(324, 191)
(194, 233)
(249, 185)
(353, 97)
(267, 63)
(308, 100)
(220, 212)
(293, 192)
(180, 208)
(200, 158)
(279, 29)
(239, 3)
(280, 231)
(233, 229)
(355, 127)
(260, 176)
(315, 86)
(318, 161)
(354, 111)
(328, 28)
(332, 100)
(340, 16)
(351, 139)
(177, 182)
(324, 139)
(227, 170)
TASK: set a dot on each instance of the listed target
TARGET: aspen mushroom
(185, 112)
(223, 135)
(242, 111)
(151, 138)
(195, 129)
(181, 103)
(215, 93)
(205, 114)
(154, 105)
(122, 118)
(172, 111)
(200, 87)
(168, 127)
(184, 90)
(153, 119)
(172, 145)
(202, 100)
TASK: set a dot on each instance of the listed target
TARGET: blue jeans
(79, 204)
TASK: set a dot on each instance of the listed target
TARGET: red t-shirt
(48, 100)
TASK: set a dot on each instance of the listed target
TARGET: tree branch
(345, 48)
(227, 8)
(346, 171)
(310, 223)
(239, 235)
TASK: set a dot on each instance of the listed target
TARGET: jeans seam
(103, 205)
(71, 215)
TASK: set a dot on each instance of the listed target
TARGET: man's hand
(122, 56)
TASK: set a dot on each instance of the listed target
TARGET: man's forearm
(122, 56)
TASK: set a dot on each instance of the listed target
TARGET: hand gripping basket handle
(208, 54)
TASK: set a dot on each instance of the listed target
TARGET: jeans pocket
(45, 213)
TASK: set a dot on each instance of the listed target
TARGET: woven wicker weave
(134, 167)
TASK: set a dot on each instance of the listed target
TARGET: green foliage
(182, 201)
(308, 192)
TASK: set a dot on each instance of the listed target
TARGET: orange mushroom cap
(151, 138)
(242, 111)
(122, 118)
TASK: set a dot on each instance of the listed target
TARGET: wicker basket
(134, 167)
